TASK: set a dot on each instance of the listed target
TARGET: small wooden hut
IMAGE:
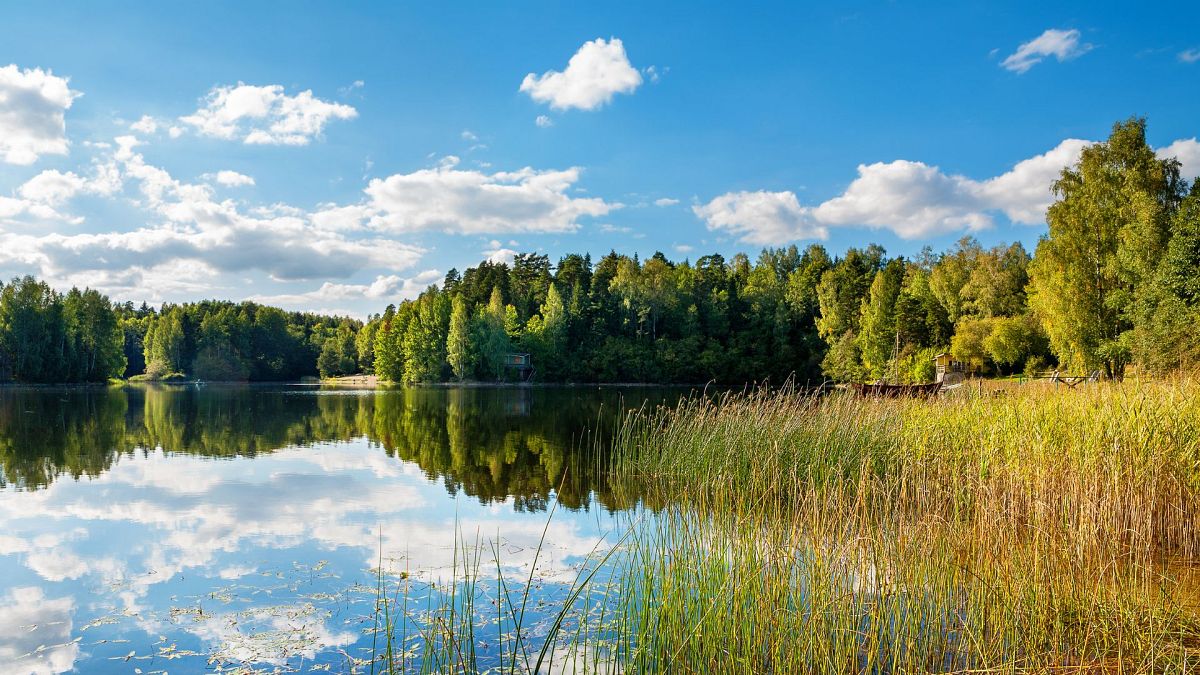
(522, 364)
(949, 370)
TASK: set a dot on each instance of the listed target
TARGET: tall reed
(1031, 531)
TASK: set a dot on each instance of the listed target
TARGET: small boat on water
(896, 390)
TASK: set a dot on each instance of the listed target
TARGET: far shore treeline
(1114, 282)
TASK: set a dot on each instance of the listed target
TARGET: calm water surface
(187, 529)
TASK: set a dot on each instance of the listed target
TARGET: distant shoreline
(366, 382)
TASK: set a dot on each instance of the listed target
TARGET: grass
(1038, 530)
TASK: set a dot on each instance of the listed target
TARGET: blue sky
(340, 157)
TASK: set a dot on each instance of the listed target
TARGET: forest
(49, 337)
(1113, 283)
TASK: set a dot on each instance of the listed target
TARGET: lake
(192, 528)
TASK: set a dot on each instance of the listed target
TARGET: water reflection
(492, 444)
(170, 528)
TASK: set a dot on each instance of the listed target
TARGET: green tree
(492, 338)
(1166, 337)
(1012, 340)
(878, 337)
(951, 273)
(1108, 228)
(458, 340)
(970, 336)
(425, 338)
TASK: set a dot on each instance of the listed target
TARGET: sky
(338, 157)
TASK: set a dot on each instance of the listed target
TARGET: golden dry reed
(1031, 529)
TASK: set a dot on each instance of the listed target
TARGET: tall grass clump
(1034, 530)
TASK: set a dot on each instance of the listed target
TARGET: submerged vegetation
(1038, 530)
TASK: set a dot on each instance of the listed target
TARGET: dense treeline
(46, 336)
(224, 341)
(858, 316)
(1115, 281)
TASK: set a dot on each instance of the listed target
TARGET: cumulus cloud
(33, 104)
(912, 199)
(1187, 151)
(666, 201)
(761, 217)
(543, 121)
(39, 197)
(460, 201)
(1061, 44)
(1023, 192)
(500, 255)
(265, 115)
(599, 70)
(52, 187)
(145, 125)
(232, 178)
(195, 230)
(390, 287)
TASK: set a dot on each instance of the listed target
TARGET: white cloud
(195, 233)
(472, 202)
(912, 199)
(666, 201)
(390, 287)
(468, 135)
(594, 74)
(500, 255)
(52, 187)
(265, 115)
(1061, 44)
(1187, 151)
(39, 197)
(683, 248)
(146, 125)
(233, 178)
(32, 107)
(1023, 192)
(544, 121)
(1189, 55)
(761, 217)
(916, 200)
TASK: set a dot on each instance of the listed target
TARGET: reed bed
(1038, 530)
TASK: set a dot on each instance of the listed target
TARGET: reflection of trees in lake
(487, 443)
(45, 434)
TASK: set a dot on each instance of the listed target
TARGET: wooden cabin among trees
(949, 370)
